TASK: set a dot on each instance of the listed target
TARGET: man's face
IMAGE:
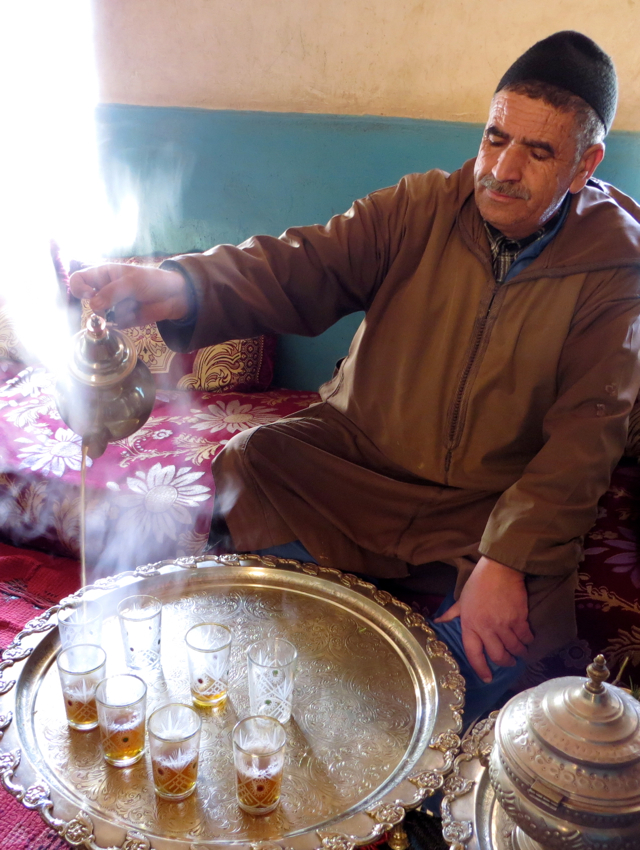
(526, 164)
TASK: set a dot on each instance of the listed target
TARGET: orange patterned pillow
(242, 365)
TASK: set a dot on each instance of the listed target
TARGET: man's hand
(493, 611)
(138, 294)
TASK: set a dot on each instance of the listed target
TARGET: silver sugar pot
(565, 765)
(107, 393)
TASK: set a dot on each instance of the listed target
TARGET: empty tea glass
(81, 623)
(174, 741)
(81, 668)
(122, 703)
(258, 755)
(140, 621)
(271, 669)
(208, 651)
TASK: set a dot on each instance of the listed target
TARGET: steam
(52, 187)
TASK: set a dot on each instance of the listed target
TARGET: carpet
(30, 582)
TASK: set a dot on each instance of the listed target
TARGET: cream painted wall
(438, 59)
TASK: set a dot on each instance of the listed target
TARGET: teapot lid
(578, 736)
(102, 356)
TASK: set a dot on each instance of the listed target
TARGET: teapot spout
(96, 443)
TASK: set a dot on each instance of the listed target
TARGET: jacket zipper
(463, 382)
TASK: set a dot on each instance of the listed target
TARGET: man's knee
(245, 446)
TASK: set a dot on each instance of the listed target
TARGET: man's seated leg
(294, 550)
(314, 479)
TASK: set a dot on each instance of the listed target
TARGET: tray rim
(364, 827)
(463, 818)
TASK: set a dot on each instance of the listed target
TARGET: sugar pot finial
(598, 672)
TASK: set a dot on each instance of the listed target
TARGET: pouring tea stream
(105, 394)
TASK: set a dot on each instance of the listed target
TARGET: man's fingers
(132, 284)
(449, 614)
(495, 649)
(513, 644)
(80, 285)
(86, 282)
(105, 285)
(474, 650)
(523, 631)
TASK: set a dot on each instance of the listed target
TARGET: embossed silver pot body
(565, 765)
(106, 393)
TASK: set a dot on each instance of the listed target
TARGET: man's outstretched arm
(138, 294)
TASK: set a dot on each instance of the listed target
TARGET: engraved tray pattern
(472, 818)
(377, 711)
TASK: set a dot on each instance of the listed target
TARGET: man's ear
(589, 161)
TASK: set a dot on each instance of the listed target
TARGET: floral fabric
(608, 596)
(149, 497)
(11, 351)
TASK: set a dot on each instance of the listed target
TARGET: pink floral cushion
(149, 497)
(11, 350)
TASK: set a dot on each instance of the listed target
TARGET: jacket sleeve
(301, 282)
(538, 523)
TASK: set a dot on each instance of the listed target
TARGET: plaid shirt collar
(505, 251)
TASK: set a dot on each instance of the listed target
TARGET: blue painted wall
(203, 177)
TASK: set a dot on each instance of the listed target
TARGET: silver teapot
(565, 765)
(107, 393)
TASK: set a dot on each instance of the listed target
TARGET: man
(484, 401)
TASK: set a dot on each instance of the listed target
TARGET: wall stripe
(204, 177)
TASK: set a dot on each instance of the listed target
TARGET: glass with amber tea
(81, 668)
(258, 756)
(208, 651)
(174, 742)
(122, 703)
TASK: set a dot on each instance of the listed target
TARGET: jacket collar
(602, 230)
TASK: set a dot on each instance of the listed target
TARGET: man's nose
(508, 168)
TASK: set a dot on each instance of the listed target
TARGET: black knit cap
(574, 62)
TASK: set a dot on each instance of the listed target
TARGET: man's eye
(494, 140)
(540, 156)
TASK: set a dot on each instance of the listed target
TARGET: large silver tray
(472, 818)
(377, 711)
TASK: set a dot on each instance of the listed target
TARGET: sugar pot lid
(575, 741)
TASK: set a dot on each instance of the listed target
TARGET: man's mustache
(512, 190)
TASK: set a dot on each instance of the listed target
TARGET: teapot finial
(96, 326)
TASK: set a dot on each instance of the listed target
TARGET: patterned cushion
(241, 365)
